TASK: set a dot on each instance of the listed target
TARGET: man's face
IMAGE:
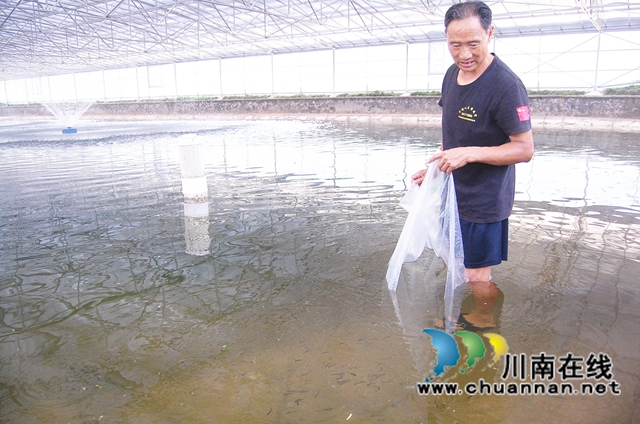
(469, 44)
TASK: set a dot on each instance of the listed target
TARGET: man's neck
(466, 78)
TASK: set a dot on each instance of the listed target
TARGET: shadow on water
(106, 317)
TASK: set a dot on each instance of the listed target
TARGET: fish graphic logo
(448, 354)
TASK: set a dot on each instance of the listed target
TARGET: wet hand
(451, 159)
(418, 177)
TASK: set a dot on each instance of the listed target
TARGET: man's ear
(490, 32)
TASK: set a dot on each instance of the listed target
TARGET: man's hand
(418, 177)
(518, 149)
(453, 159)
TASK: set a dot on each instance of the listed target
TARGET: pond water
(123, 300)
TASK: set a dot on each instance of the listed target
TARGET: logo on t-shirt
(468, 113)
(523, 113)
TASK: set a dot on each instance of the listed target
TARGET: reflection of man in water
(486, 130)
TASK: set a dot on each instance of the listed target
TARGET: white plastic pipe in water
(196, 196)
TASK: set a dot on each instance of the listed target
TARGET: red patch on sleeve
(523, 113)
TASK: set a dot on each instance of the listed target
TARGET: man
(486, 130)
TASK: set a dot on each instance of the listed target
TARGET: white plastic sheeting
(433, 222)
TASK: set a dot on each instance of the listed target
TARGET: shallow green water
(105, 317)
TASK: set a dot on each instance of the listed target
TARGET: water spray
(68, 113)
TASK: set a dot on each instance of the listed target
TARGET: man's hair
(467, 10)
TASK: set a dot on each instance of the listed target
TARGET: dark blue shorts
(484, 244)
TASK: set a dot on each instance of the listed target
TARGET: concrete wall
(278, 106)
(609, 107)
(621, 107)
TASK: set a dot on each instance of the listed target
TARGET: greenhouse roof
(52, 37)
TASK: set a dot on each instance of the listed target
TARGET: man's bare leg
(485, 294)
(480, 278)
(479, 274)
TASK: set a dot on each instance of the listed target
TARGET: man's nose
(465, 53)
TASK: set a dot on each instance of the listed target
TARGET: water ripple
(287, 317)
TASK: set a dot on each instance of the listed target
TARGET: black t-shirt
(484, 113)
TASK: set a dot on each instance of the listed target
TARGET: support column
(175, 80)
(334, 72)
(104, 87)
(406, 75)
(428, 64)
(539, 58)
(595, 82)
(137, 85)
(220, 72)
(75, 87)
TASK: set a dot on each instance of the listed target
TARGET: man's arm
(518, 149)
